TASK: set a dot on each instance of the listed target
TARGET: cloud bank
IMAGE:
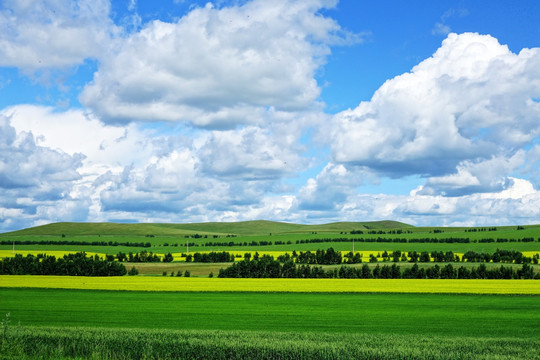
(217, 116)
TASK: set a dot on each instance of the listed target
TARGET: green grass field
(422, 314)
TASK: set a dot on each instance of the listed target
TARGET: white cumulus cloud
(468, 107)
(217, 67)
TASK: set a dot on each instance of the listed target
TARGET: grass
(60, 343)
(390, 314)
(175, 284)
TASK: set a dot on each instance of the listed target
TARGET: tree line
(447, 240)
(267, 267)
(75, 242)
(78, 264)
(432, 240)
(330, 256)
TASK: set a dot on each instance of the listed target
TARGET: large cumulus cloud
(469, 108)
(217, 67)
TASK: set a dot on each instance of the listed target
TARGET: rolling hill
(243, 228)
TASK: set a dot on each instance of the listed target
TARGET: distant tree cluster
(501, 240)
(143, 256)
(320, 257)
(78, 264)
(197, 236)
(211, 257)
(267, 267)
(381, 232)
(481, 229)
(506, 256)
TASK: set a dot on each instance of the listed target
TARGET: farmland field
(433, 314)
(64, 317)
(132, 325)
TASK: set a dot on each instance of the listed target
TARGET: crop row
(126, 344)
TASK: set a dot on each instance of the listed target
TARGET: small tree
(187, 273)
(168, 258)
(133, 271)
(424, 257)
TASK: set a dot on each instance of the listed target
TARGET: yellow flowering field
(143, 283)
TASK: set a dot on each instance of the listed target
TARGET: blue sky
(313, 111)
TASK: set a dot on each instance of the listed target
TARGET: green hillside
(243, 228)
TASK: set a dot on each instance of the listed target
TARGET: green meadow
(420, 314)
(65, 324)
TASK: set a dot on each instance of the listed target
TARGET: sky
(313, 111)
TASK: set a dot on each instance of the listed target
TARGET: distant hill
(258, 227)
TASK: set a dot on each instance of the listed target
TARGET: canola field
(172, 284)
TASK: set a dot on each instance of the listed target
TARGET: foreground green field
(86, 324)
(127, 344)
(492, 316)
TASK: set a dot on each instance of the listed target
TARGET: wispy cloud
(442, 27)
